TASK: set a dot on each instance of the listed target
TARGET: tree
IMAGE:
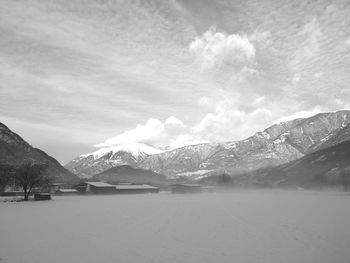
(345, 180)
(6, 174)
(29, 175)
(225, 179)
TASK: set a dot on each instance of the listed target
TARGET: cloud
(149, 132)
(301, 114)
(225, 123)
(230, 123)
(153, 132)
(309, 46)
(217, 50)
(203, 101)
(296, 78)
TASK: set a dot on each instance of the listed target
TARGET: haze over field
(250, 226)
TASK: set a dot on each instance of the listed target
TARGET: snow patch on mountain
(138, 150)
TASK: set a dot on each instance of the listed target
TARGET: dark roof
(187, 185)
(135, 186)
(99, 184)
(67, 190)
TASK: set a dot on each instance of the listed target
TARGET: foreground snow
(244, 226)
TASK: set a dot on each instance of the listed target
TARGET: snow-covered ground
(243, 226)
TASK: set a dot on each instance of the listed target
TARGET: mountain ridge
(14, 150)
(280, 143)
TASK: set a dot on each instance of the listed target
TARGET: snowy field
(244, 226)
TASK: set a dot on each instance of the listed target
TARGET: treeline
(26, 176)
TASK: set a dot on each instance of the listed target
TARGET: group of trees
(27, 176)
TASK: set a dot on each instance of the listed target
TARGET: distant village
(101, 188)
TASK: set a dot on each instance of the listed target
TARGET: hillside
(325, 167)
(126, 173)
(14, 150)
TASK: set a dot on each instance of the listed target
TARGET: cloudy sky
(76, 75)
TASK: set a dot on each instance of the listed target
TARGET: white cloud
(309, 43)
(204, 101)
(301, 114)
(259, 101)
(245, 73)
(150, 132)
(230, 123)
(216, 50)
(154, 132)
(225, 123)
(296, 78)
(318, 75)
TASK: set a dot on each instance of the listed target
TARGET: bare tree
(345, 180)
(29, 175)
(6, 174)
(225, 179)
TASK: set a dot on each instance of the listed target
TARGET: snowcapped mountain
(89, 164)
(278, 144)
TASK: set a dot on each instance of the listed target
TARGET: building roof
(99, 184)
(134, 186)
(56, 184)
(67, 190)
(186, 185)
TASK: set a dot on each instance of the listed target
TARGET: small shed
(95, 188)
(186, 188)
(128, 188)
(42, 196)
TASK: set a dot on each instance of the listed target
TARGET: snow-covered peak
(135, 149)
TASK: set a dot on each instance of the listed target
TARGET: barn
(186, 188)
(128, 188)
(95, 188)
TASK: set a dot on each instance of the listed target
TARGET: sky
(78, 75)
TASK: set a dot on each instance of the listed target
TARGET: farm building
(54, 187)
(128, 188)
(95, 188)
(186, 188)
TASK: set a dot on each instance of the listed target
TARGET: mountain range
(14, 150)
(279, 144)
(87, 165)
(300, 152)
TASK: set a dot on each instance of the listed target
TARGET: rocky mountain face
(101, 160)
(325, 167)
(126, 173)
(278, 144)
(14, 150)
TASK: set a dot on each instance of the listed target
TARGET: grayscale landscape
(174, 131)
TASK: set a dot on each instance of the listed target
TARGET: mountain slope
(338, 136)
(320, 168)
(126, 173)
(13, 150)
(89, 164)
(278, 144)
